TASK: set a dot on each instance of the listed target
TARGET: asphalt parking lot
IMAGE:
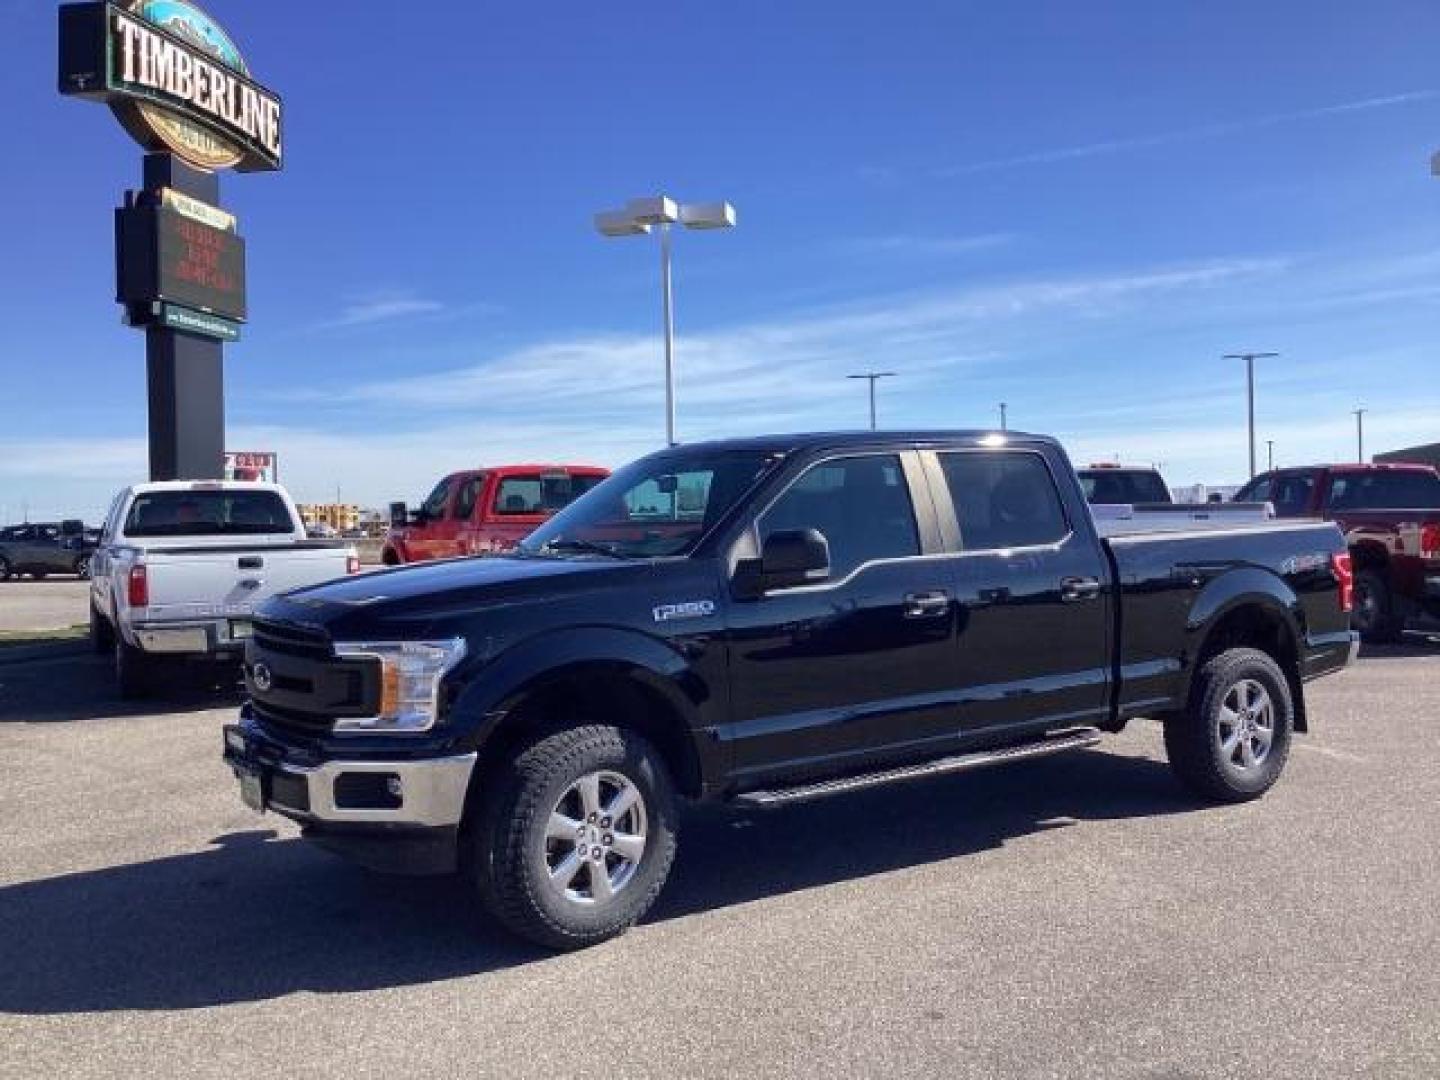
(1071, 917)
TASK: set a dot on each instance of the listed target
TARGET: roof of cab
(840, 440)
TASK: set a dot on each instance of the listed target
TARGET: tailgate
(199, 583)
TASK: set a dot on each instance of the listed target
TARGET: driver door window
(861, 505)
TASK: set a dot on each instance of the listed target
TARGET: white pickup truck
(181, 565)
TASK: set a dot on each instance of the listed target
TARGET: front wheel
(1232, 742)
(5, 569)
(575, 836)
(82, 567)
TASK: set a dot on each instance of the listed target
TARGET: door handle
(1079, 588)
(926, 605)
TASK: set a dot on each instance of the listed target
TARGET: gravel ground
(1073, 917)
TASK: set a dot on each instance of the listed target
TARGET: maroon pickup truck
(1390, 515)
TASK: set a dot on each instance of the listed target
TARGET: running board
(1058, 743)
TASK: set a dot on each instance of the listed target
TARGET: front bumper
(391, 814)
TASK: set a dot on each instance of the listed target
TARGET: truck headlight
(410, 674)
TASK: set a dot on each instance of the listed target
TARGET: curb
(49, 650)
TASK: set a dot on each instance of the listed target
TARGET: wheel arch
(1254, 610)
(593, 676)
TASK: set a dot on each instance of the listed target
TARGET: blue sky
(1073, 208)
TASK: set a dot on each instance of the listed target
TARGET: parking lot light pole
(1250, 359)
(872, 376)
(1360, 434)
(1269, 455)
(640, 217)
(1003, 425)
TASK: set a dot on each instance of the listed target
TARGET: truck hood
(408, 600)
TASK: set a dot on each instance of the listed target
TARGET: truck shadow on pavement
(256, 918)
(77, 687)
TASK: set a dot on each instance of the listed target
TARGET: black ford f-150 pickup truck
(766, 621)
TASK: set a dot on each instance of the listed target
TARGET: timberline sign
(174, 79)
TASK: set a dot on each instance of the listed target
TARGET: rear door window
(1004, 499)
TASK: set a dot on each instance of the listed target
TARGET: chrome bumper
(196, 638)
(428, 792)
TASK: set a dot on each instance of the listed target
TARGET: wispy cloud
(1192, 134)
(783, 371)
(382, 308)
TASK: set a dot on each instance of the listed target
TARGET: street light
(1003, 426)
(872, 376)
(1269, 455)
(639, 218)
(1360, 434)
(1250, 359)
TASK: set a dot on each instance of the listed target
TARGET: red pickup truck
(484, 510)
(1390, 515)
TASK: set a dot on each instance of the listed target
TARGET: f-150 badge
(690, 609)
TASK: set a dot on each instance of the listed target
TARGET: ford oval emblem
(262, 677)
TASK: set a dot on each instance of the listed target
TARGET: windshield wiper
(587, 546)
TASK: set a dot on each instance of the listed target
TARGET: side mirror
(794, 557)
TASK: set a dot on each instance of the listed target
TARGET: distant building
(1199, 493)
(1419, 455)
(342, 517)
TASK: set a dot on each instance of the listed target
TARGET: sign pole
(184, 371)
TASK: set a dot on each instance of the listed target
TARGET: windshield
(207, 513)
(1403, 489)
(1110, 486)
(658, 506)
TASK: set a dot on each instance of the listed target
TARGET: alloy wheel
(595, 837)
(1247, 725)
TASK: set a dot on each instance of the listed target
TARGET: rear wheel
(575, 836)
(82, 567)
(5, 570)
(1374, 615)
(134, 670)
(1232, 742)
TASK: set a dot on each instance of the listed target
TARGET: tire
(134, 671)
(82, 567)
(102, 634)
(530, 873)
(1374, 615)
(1196, 740)
(5, 571)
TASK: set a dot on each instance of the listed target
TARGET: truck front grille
(290, 640)
(305, 688)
